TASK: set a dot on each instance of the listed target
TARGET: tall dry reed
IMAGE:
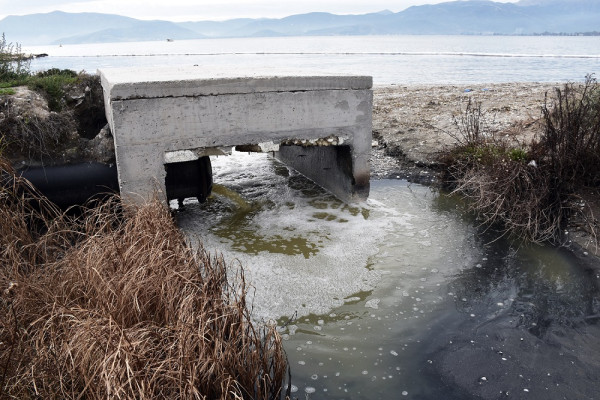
(115, 304)
(530, 191)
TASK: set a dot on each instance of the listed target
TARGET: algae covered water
(403, 296)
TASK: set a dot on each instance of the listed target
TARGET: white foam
(316, 279)
(332, 242)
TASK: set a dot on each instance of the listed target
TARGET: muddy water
(404, 296)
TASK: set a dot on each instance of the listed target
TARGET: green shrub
(51, 83)
(484, 154)
(518, 155)
(15, 71)
(57, 71)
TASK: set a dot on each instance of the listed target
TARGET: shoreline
(415, 122)
(412, 124)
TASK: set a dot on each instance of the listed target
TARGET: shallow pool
(403, 296)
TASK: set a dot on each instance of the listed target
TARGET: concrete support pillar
(331, 167)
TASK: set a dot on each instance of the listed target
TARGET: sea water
(398, 59)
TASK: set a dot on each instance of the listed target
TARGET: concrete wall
(151, 113)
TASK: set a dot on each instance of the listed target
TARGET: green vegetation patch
(14, 65)
(6, 91)
(15, 71)
(519, 155)
(52, 83)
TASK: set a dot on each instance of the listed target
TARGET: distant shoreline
(556, 18)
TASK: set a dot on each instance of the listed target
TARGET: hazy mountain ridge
(454, 17)
(138, 31)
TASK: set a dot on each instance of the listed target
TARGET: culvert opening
(326, 162)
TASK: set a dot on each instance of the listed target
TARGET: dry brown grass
(115, 304)
(34, 137)
(510, 195)
(531, 190)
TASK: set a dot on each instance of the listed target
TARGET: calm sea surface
(389, 59)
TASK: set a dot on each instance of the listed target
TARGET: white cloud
(12, 7)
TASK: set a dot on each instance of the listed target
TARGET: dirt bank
(32, 134)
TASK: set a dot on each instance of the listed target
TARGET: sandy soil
(412, 124)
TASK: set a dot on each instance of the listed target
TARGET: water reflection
(525, 326)
(539, 287)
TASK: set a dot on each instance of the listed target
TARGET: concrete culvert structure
(165, 120)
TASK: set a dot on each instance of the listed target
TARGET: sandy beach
(413, 123)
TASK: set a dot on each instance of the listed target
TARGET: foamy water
(303, 250)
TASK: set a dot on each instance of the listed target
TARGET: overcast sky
(196, 10)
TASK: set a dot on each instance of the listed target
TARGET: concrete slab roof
(191, 81)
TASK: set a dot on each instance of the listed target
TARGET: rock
(26, 102)
(101, 148)
(86, 99)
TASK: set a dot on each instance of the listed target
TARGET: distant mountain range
(473, 17)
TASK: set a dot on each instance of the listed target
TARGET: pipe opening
(189, 179)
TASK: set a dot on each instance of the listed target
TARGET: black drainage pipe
(73, 184)
(189, 179)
